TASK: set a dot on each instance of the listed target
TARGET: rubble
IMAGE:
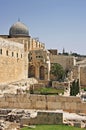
(9, 117)
(73, 119)
(18, 87)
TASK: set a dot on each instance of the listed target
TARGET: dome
(18, 29)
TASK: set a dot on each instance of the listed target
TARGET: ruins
(25, 62)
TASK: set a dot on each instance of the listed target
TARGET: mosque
(23, 57)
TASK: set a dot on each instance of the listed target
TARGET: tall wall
(43, 102)
(66, 61)
(79, 72)
(75, 72)
(30, 44)
(11, 69)
(11, 61)
(33, 44)
(83, 76)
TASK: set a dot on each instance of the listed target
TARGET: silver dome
(18, 29)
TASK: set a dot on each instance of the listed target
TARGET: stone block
(11, 99)
(41, 97)
(50, 98)
(54, 105)
(44, 118)
(77, 124)
(2, 99)
(41, 105)
(73, 105)
(33, 97)
(4, 105)
(62, 99)
(73, 99)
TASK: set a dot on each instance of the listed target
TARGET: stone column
(79, 77)
(37, 71)
(48, 70)
(26, 59)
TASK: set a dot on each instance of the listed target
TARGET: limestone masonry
(43, 102)
(25, 65)
(22, 57)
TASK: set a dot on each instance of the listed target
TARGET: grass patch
(52, 127)
(47, 90)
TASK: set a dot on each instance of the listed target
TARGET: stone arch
(42, 73)
(31, 71)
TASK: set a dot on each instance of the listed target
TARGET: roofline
(14, 36)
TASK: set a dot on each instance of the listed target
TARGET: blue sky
(57, 23)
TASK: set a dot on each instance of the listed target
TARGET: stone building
(22, 56)
(79, 71)
(66, 61)
(11, 61)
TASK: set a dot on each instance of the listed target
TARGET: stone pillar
(48, 70)
(26, 58)
(79, 77)
(30, 44)
(37, 71)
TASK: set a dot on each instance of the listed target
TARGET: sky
(57, 23)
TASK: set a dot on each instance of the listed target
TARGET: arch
(41, 73)
(31, 71)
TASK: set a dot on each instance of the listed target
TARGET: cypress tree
(74, 88)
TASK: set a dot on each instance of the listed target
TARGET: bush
(84, 89)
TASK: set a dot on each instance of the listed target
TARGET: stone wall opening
(41, 73)
(31, 71)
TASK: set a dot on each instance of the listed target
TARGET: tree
(74, 88)
(77, 87)
(58, 71)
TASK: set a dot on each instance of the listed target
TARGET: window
(1, 51)
(12, 54)
(17, 55)
(7, 52)
(21, 55)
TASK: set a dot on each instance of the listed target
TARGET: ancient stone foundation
(43, 102)
(44, 118)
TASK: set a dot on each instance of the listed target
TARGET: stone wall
(11, 69)
(66, 61)
(83, 76)
(53, 51)
(60, 85)
(11, 61)
(79, 72)
(43, 102)
(33, 44)
(44, 118)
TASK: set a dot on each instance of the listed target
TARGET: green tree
(77, 88)
(58, 71)
(74, 88)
